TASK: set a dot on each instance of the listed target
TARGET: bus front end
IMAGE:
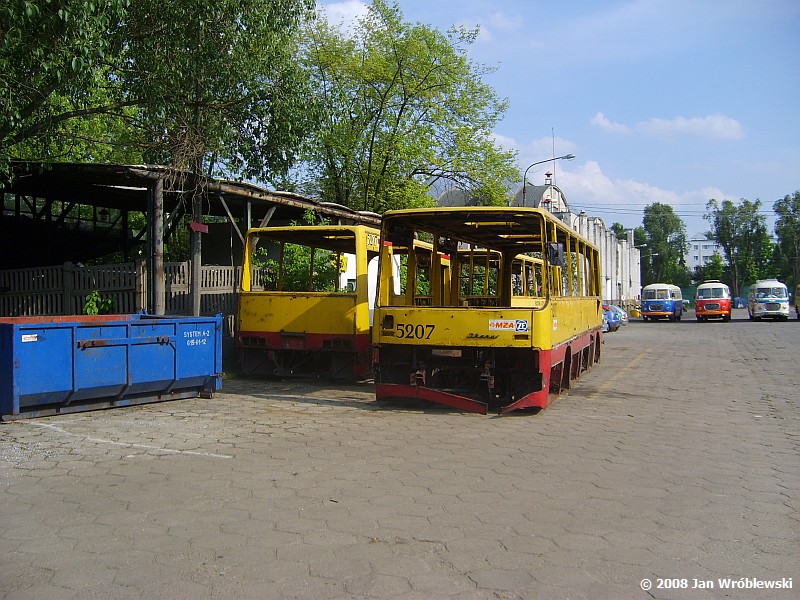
(477, 361)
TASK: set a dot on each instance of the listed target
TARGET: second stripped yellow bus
(305, 303)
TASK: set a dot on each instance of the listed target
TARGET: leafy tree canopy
(665, 236)
(787, 230)
(185, 83)
(218, 82)
(741, 232)
(713, 269)
(619, 230)
(54, 69)
(401, 107)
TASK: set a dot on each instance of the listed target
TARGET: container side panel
(197, 345)
(101, 370)
(152, 366)
(83, 363)
(42, 364)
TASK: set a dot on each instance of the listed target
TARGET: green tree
(639, 235)
(305, 269)
(402, 107)
(191, 84)
(677, 273)
(56, 84)
(218, 83)
(640, 238)
(619, 230)
(666, 246)
(713, 269)
(787, 230)
(767, 262)
(742, 233)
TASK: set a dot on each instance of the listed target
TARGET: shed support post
(156, 283)
(197, 253)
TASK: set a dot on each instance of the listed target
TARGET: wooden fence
(62, 290)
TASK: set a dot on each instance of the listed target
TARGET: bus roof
(769, 282)
(660, 286)
(495, 227)
(330, 237)
(711, 283)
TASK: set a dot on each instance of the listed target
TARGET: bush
(97, 305)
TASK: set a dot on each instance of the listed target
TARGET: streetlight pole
(541, 162)
(650, 264)
(634, 266)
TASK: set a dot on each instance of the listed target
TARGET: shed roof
(126, 188)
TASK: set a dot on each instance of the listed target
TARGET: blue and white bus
(768, 299)
(662, 301)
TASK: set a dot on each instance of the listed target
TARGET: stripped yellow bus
(492, 309)
(305, 303)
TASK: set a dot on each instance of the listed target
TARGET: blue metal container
(56, 365)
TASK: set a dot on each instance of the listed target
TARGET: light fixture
(540, 162)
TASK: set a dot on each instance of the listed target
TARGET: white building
(701, 249)
(620, 260)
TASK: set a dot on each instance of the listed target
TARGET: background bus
(662, 301)
(305, 304)
(492, 309)
(713, 301)
(768, 299)
(797, 300)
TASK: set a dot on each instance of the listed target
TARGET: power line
(605, 208)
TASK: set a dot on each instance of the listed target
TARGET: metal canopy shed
(41, 222)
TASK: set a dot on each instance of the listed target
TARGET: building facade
(701, 250)
(620, 259)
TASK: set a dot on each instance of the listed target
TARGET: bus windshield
(656, 295)
(708, 293)
(771, 292)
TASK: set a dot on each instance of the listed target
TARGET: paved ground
(677, 458)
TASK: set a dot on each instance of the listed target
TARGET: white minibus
(768, 299)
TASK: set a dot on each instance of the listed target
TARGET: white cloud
(588, 188)
(344, 14)
(505, 142)
(717, 126)
(623, 200)
(540, 149)
(607, 124)
(712, 126)
(485, 35)
(504, 22)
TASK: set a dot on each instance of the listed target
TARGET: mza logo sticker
(508, 325)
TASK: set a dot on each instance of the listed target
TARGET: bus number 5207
(418, 332)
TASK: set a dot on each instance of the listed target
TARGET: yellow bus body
(484, 317)
(294, 312)
(301, 317)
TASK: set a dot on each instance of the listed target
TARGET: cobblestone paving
(677, 458)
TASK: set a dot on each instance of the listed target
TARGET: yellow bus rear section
(296, 312)
(542, 328)
(304, 303)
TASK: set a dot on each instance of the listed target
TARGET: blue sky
(669, 101)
